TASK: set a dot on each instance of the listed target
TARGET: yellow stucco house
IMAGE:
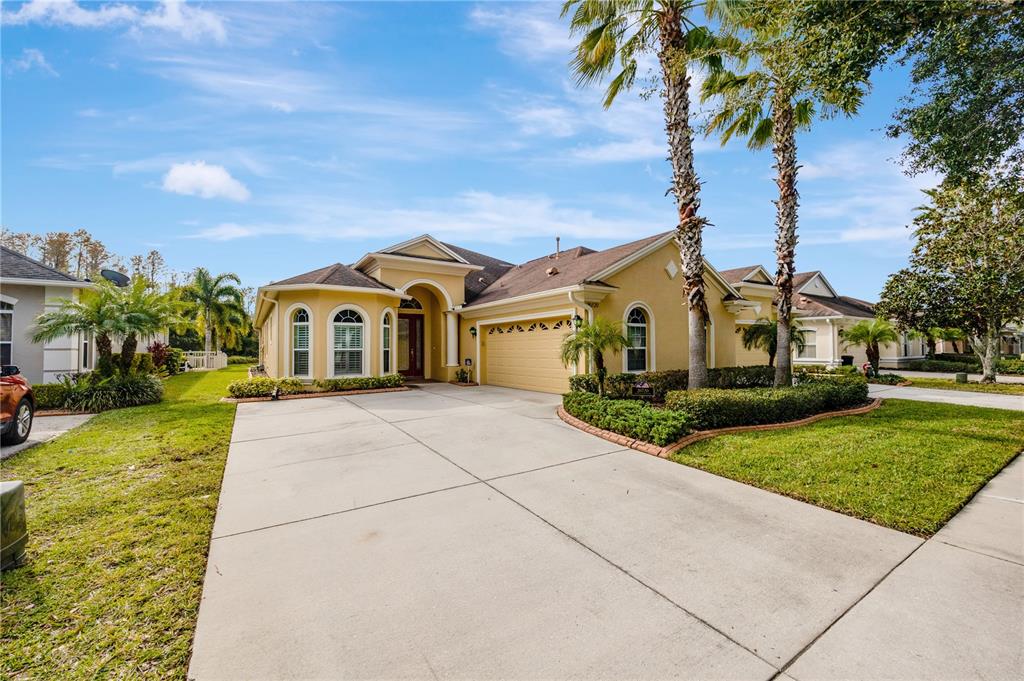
(425, 308)
(821, 313)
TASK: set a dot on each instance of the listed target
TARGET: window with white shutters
(300, 343)
(348, 343)
(636, 332)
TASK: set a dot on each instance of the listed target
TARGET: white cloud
(545, 119)
(208, 181)
(30, 59)
(475, 215)
(172, 16)
(529, 31)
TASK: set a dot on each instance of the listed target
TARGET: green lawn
(973, 386)
(906, 465)
(120, 512)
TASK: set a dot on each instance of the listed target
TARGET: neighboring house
(822, 314)
(27, 288)
(424, 308)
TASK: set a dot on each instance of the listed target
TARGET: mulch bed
(464, 385)
(664, 452)
(306, 396)
(60, 412)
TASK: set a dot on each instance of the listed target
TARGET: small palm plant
(145, 312)
(871, 335)
(594, 338)
(764, 335)
(95, 314)
(217, 305)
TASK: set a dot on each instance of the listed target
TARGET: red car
(17, 406)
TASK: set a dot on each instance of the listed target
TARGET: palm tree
(763, 335)
(594, 338)
(214, 300)
(95, 314)
(871, 335)
(145, 311)
(768, 104)
(614, 35)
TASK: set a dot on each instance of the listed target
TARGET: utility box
(14, 529)
(961, 377)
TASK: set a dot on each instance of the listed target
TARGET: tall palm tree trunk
(128, 346)
(685, 187)
(784, 148)
(207, 332)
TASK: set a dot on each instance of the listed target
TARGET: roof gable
(425, 246)
(333, 275)
(813, 283)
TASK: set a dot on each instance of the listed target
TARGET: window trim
(367, 341)
(813, 333)
(394, 330)
(291, 339)
(12, 302)
(651, 354)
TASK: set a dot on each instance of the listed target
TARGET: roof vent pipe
(558, 247)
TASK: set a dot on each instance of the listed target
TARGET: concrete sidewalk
(953, 610)
(972, 399)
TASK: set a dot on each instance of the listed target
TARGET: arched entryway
(421, 342)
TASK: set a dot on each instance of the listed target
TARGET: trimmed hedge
(939, 365)
(1010, 366)
(887, 379)
(620, 386)
(50, 395)
(963, 357)
(243, 359)
(262, 386)
(631, 418)
(717, 408)
(360, 383)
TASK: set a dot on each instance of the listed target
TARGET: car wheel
(21, 424)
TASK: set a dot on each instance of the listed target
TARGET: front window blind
(385, 339)
(348, 343)
(300, 343)
(636, 332)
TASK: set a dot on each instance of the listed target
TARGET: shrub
(661, 382)
(143, 363)
(290, 386)
(620, 386)
(741, 377)
(260, 386)
(717, 408)
(463, 375)
(174, 359)
(887, 379)
(360, 383)
(159, 352)
(961, 357)
(50, 395)
(627, 417)
(1010, 366)
(243, 359)
(585, 383)
(92, 392)
(939, 365)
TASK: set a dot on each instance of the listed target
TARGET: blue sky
(270, 139)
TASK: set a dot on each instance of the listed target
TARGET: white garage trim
(516, 318)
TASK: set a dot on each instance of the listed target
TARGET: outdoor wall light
(577, 321)
(472, 331)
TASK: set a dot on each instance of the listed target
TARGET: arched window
(348, 343)
(300, 343)
(636, 332)
(385, 339)
(410, 304)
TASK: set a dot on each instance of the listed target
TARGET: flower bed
(631, 418)
(265, 387)
(660, 383)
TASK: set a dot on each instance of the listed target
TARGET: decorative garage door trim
(568, 312)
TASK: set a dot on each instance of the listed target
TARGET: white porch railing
(206, 360)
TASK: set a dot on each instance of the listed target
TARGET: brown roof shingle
(737, 274)
(574, 266)
(334, 275)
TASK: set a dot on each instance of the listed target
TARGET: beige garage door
(526, 354)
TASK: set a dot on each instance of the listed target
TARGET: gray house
(26, 286)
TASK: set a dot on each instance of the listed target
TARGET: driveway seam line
(323, 458)
(599, 555)
(783, 669)
(305, 432)
(553, 465)
(979, 553)
(346, 510)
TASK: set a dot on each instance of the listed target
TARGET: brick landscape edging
(306, 396)
(664, 452)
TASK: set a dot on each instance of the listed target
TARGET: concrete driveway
(465, 533)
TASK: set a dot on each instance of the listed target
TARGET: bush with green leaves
(1010, 366)
(887, 379)
(711, 408)
(660, 383)
(962, 357)
(463, 375)
(360, 383)
(631, 418)
(243, 359)
(939, 365)
(93, 392)
(173, 360)
(290, 386)
(142, 363)
(50, 395)
(258, 386)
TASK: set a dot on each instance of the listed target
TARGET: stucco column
(452, 338)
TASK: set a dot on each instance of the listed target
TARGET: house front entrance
(410, 345)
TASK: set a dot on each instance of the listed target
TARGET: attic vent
(482, 280)
(552, 271)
